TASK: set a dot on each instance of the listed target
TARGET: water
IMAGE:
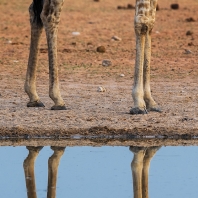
(101, 172)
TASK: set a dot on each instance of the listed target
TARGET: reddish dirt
(174, 74)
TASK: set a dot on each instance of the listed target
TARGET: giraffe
(140, 168)
(46, 13)
(53, 164)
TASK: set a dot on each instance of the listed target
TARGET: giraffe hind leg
(36, 31)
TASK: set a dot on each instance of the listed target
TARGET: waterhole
(99, 172)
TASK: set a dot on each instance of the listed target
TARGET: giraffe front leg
(50, 17)
(137, 92)
(30, 82)
(151, 105)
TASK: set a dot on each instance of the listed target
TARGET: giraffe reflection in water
(139, 166)
(53, 164)
(140, 169)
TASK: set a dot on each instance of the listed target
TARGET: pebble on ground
(101, 49)
(101, 89)
(106, 63)
(175, 6)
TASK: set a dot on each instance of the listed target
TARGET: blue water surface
(102, 172)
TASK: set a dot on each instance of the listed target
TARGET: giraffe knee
(143, 28)
(51, 12)
(143, 25)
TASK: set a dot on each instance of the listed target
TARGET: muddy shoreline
(64, 142)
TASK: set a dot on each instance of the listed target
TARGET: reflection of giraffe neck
(53, 164)
(140, 169)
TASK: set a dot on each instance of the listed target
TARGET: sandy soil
(173, 74)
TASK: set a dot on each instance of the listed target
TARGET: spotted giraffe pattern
(48, 16)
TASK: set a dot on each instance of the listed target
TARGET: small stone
(9, 41)
(189, 33)
(175, 6)
(190, 19)
(89, 43)
(122, 75)
(75, 33)
(101, 49)
(187, 51)
(106, 63)
(43, 50)
(73, 43)
(190, 44)
(130, 6)
(157, 7)
(116, 38)
(101, 89)
(120, 7)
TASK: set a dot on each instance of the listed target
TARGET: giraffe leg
(30, 83)
(150, 152)
(136, 168)
(144, 22)
(53, 164)
(151, 105)
(50, 17)
(28, 166)
(141, 29)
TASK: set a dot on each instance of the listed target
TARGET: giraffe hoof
(34, 148)
(137, 110)
(57, 148)
(135, 149)
(155, 109)
(35, 104)
(58, 107)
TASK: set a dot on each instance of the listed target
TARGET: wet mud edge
(98, 136)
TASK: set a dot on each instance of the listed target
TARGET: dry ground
(174, 74)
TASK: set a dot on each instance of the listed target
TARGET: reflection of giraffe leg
(140, 168)
(28, 166)
(53, 163)
(150, 152)
(136, 167)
